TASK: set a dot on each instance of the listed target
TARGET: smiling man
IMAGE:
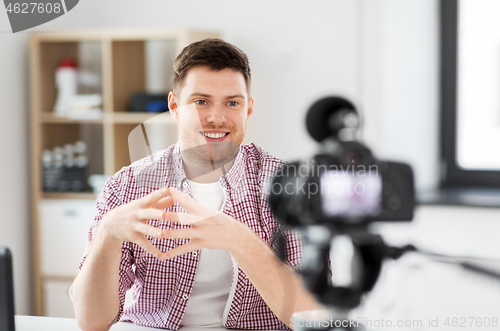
(188, 230)
(212, 112)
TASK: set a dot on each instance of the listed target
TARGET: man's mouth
(215, 136)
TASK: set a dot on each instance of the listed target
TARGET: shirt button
(185, 185)
(185, 297)
(195, 253)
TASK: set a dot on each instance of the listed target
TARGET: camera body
(346, 188)
(344, 185)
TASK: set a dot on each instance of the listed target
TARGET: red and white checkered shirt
(161, 289)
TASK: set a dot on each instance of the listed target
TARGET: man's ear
(173, 106)
(250, 107)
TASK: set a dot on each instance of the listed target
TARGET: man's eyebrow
(203, 95)
(235, 96)
(197, 94)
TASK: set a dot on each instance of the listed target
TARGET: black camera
(340, 191)
(343, 185)
(336, 194)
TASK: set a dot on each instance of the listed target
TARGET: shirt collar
(229, 180)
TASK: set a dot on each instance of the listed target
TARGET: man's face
(212, 111)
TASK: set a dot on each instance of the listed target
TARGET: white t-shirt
(212, 285)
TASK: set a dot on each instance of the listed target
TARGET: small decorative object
(151, 103)
(85, 106)
(64, 168)
(67, 85)
(71, 104)
(97, 182)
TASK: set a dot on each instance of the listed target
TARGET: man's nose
(216, 115)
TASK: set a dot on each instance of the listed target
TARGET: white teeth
(214, 135)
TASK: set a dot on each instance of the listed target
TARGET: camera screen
(346, 193)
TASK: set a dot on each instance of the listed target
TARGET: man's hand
(128, 222)
(96, 288)
(208, 228)
(278, 284)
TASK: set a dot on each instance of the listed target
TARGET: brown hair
(216, 54)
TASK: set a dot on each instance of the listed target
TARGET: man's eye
(200, 102)
(232, 103)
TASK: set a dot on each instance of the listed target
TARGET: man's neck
(200, 171)
(208, 177)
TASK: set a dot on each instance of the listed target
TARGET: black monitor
(6, 291)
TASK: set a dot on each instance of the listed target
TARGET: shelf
(115, 34)
(128, 62)
(51, 118)
(69, 195)
(138, 118)
(118, 118)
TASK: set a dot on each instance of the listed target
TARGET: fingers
(183, 218)
(178, 217)
(189, 204)
(163, 203)
(149, 230)
(186, 248)
(153, 197)
(148, 247)
(151, 214)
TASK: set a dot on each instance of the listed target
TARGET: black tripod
(370, 252)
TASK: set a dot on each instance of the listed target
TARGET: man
(205, 261)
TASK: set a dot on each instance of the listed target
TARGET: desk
(37, 323)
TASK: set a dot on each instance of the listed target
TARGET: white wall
(14, 198)
(399, 78)
(380, 53)
(298, 51)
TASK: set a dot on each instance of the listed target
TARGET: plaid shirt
(161, 289)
